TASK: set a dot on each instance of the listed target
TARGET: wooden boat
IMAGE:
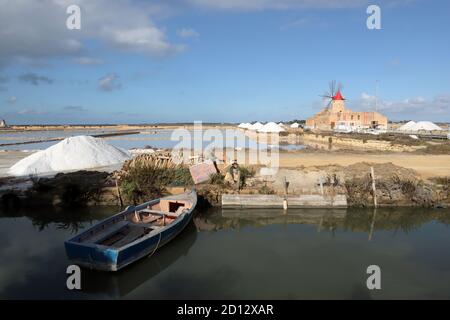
(132, 234)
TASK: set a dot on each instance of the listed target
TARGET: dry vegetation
(148, 176)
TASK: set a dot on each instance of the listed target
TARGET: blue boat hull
(104, 258)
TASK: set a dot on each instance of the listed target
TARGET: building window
(359, 117)
(352, 117)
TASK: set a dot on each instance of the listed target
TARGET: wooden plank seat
(105, 233)
(135, 232)
(160, 213)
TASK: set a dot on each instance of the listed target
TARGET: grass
(266, 190)
(441, 148)
(443, 181)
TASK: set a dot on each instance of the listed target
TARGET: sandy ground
(426, 165)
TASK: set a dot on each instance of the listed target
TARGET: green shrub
(182, 177)
(246, 172)
(217, 179)
(266, 190)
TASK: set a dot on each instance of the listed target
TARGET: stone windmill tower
(336, 102)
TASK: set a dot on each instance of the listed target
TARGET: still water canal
(241, 254)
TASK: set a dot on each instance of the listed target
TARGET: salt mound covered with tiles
(421, 125)
(74, 153)
(256, 126)
(271, 127)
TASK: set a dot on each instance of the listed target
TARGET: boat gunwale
(192, 194)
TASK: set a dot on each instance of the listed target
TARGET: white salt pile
(75, 153)
(256, 126)
(245, 125)
(407, 126)
(426, 125)
(271, 127)
(418, 126)
(295, 125)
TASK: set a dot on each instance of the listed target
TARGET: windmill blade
(329, 103)
(333, 87)
(340, 86)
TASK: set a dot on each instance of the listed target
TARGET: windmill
(332, 94)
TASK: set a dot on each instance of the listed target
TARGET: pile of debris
(148, 160)
(395, 186)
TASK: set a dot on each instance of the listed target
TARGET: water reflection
(260, 254)
(72, 220)
(352, 219)
(120, 284)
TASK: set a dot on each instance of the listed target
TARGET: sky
(136, 61)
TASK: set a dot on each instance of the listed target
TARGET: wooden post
(118, 194)
(372, 225)
(319, 229)
(374, 187)
(286, 186)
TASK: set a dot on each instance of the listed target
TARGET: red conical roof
(338, 96)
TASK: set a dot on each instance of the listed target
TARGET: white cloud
(188, 33)
(276, 4)
(31, 112)
(87, 61)
(33, 30)
(109, 82)
(12, 100)
(144, 40)
(36, 30)
(407, 108)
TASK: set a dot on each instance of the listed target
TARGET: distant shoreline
(39, 127)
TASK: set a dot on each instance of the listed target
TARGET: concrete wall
(275, 201)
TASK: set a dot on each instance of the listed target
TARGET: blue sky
(220, 61)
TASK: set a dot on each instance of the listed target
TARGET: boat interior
(133, 225)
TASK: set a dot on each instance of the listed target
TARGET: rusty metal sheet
(202, 171)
